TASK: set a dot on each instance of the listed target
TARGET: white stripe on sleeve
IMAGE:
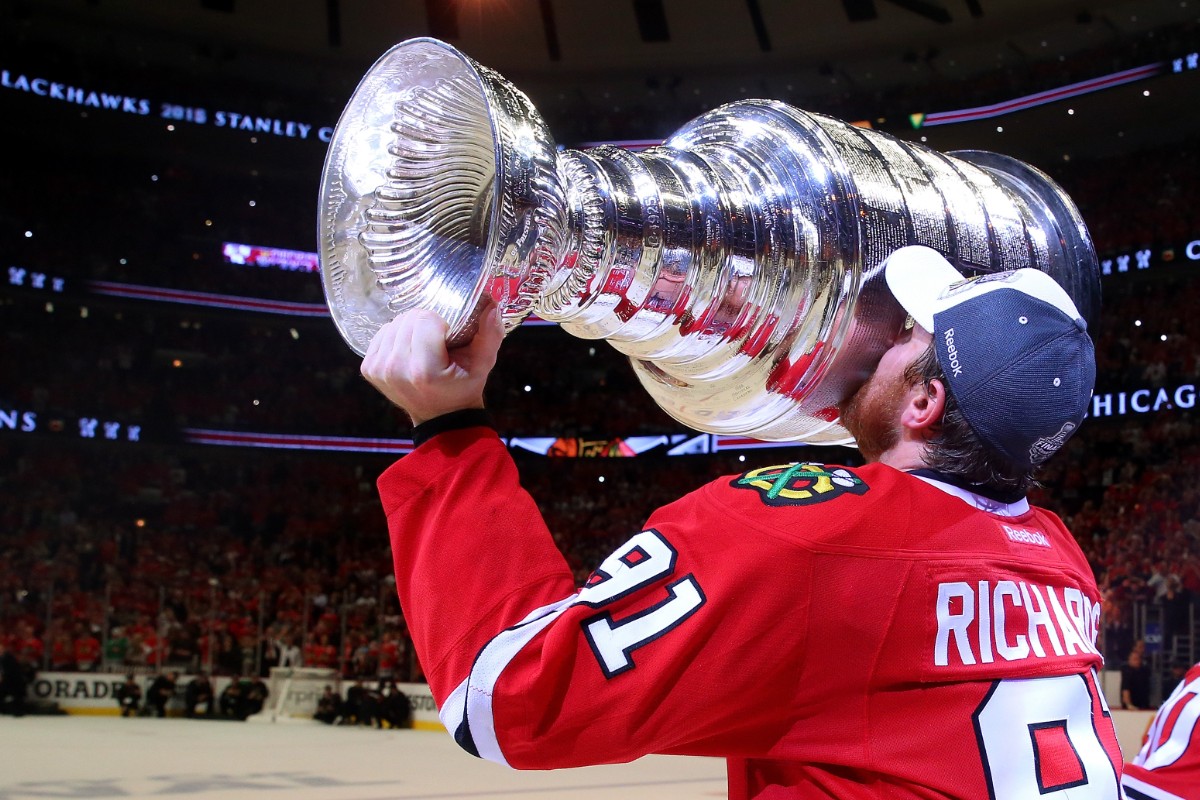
(474, 695)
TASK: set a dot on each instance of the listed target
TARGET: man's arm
(409, 363)
(528, 671)
(469, 562)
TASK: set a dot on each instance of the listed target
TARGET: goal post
(294, 692)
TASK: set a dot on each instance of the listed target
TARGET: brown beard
(872, 415)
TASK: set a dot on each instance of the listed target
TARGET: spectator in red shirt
(62, 653)
(323, 653)
(27, 647)
(389, 656)
(87, 651)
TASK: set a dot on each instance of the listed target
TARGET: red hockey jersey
(1168, 765)
(832, 632)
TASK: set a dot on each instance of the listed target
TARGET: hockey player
(913, 628)
(1168, 765)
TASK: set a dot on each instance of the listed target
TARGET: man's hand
(409, 363)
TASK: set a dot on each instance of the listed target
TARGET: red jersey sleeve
(648, 656)
(471, 552)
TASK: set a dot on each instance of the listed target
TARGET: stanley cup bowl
(736, 265)
(439, 184)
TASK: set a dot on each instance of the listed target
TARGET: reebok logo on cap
(952, 361)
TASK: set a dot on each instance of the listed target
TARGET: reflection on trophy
(736, 264)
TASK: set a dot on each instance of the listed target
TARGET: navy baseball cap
(1016, 352)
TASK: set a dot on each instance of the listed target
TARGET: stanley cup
(737, 264)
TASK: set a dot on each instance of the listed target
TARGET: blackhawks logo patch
(800, 484)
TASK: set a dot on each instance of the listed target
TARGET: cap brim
(917, 276)
(925, 284)
(1036, 283)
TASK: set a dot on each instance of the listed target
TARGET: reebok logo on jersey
(800, 484)
(1024, 536)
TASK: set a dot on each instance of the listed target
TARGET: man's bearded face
(872, 414)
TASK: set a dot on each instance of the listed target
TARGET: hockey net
(295, 692)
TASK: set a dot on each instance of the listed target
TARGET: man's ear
(923, 412)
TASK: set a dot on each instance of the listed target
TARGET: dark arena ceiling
(878, 60)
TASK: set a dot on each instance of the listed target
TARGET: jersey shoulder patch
(800, 484)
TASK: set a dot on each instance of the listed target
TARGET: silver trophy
(737, 264)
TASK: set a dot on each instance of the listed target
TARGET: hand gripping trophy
(736, 264)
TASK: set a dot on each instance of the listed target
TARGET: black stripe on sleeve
(454, 421)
